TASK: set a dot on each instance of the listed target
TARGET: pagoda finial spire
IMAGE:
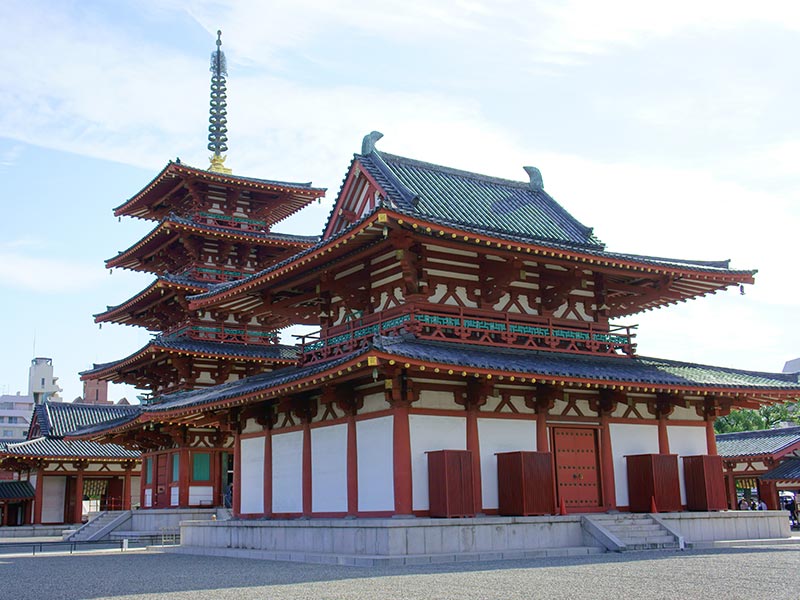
(218, 118)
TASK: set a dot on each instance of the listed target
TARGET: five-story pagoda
(211, 227)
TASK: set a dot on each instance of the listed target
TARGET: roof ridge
(755, 432)
(453, 170)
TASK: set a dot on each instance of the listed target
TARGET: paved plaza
(752, 573)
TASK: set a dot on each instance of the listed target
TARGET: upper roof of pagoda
(431, 191)
(173, 188)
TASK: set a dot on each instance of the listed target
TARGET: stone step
(638, 534)
(646, 527)
(653, 539)
(652, 546)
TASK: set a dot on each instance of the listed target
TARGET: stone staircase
(627, 532)
(100, 527)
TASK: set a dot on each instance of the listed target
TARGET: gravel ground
(752, 573)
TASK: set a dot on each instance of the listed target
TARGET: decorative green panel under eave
(201, 466)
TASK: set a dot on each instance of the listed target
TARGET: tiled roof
(721, 266)
(763, 441)
(177, 169)
(58, 448)
(277, 352)
(635, 370)
(242, 387)
(219, 393)
(493, 204)
(788, 470)
(59, 418)
(283, 237)
(16, 490)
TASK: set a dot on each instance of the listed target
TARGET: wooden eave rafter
(144, 356)
(741, 397)
(685, 283)
(300, 270)
(360, 366)
(143, 301)
(301, 196)
(172, 231)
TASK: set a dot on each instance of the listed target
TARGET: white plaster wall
(431, 433)
(148, 498)
(329, 468)
(500, 435)
(287, 472)
(174, 496)
(136, 485)
(201, 495)
(374, 403)
(252, 476)
(375, 443)
(686, 414)
(686, 441)
(629, 439)
(54, 491)
(437, 399)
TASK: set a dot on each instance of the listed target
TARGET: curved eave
(338, 370)
(691, 280)
(49, 457)
(301, 194)
(111, 371)
(120, 313)
(163, 233)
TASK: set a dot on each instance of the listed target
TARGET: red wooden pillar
(352, 465)
(37, 498)
(126, 488)
(607, 463)
(730, 481)
(768, 492)
(663, 436)
(77, 514)
(542, 443)
(711, 437)
(401, 432)
(268, 472)
(474, 446)
(307, 464)
(237, 475)
(143, 481)
(542, 403)
(184, 466)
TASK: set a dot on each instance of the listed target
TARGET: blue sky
(671, 130)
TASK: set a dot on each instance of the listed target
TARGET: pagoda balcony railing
(223, 332)
(215, 274)
(471, 326)
(230, 221)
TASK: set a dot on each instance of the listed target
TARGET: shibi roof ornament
(218, 117)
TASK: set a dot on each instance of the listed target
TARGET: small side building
(60, 478)
(766, 460)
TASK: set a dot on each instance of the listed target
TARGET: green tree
(765, 417)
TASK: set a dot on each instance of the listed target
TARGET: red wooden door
(161, 483)
(577, 468)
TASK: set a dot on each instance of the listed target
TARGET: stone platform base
(424, 540)
(372, 561)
